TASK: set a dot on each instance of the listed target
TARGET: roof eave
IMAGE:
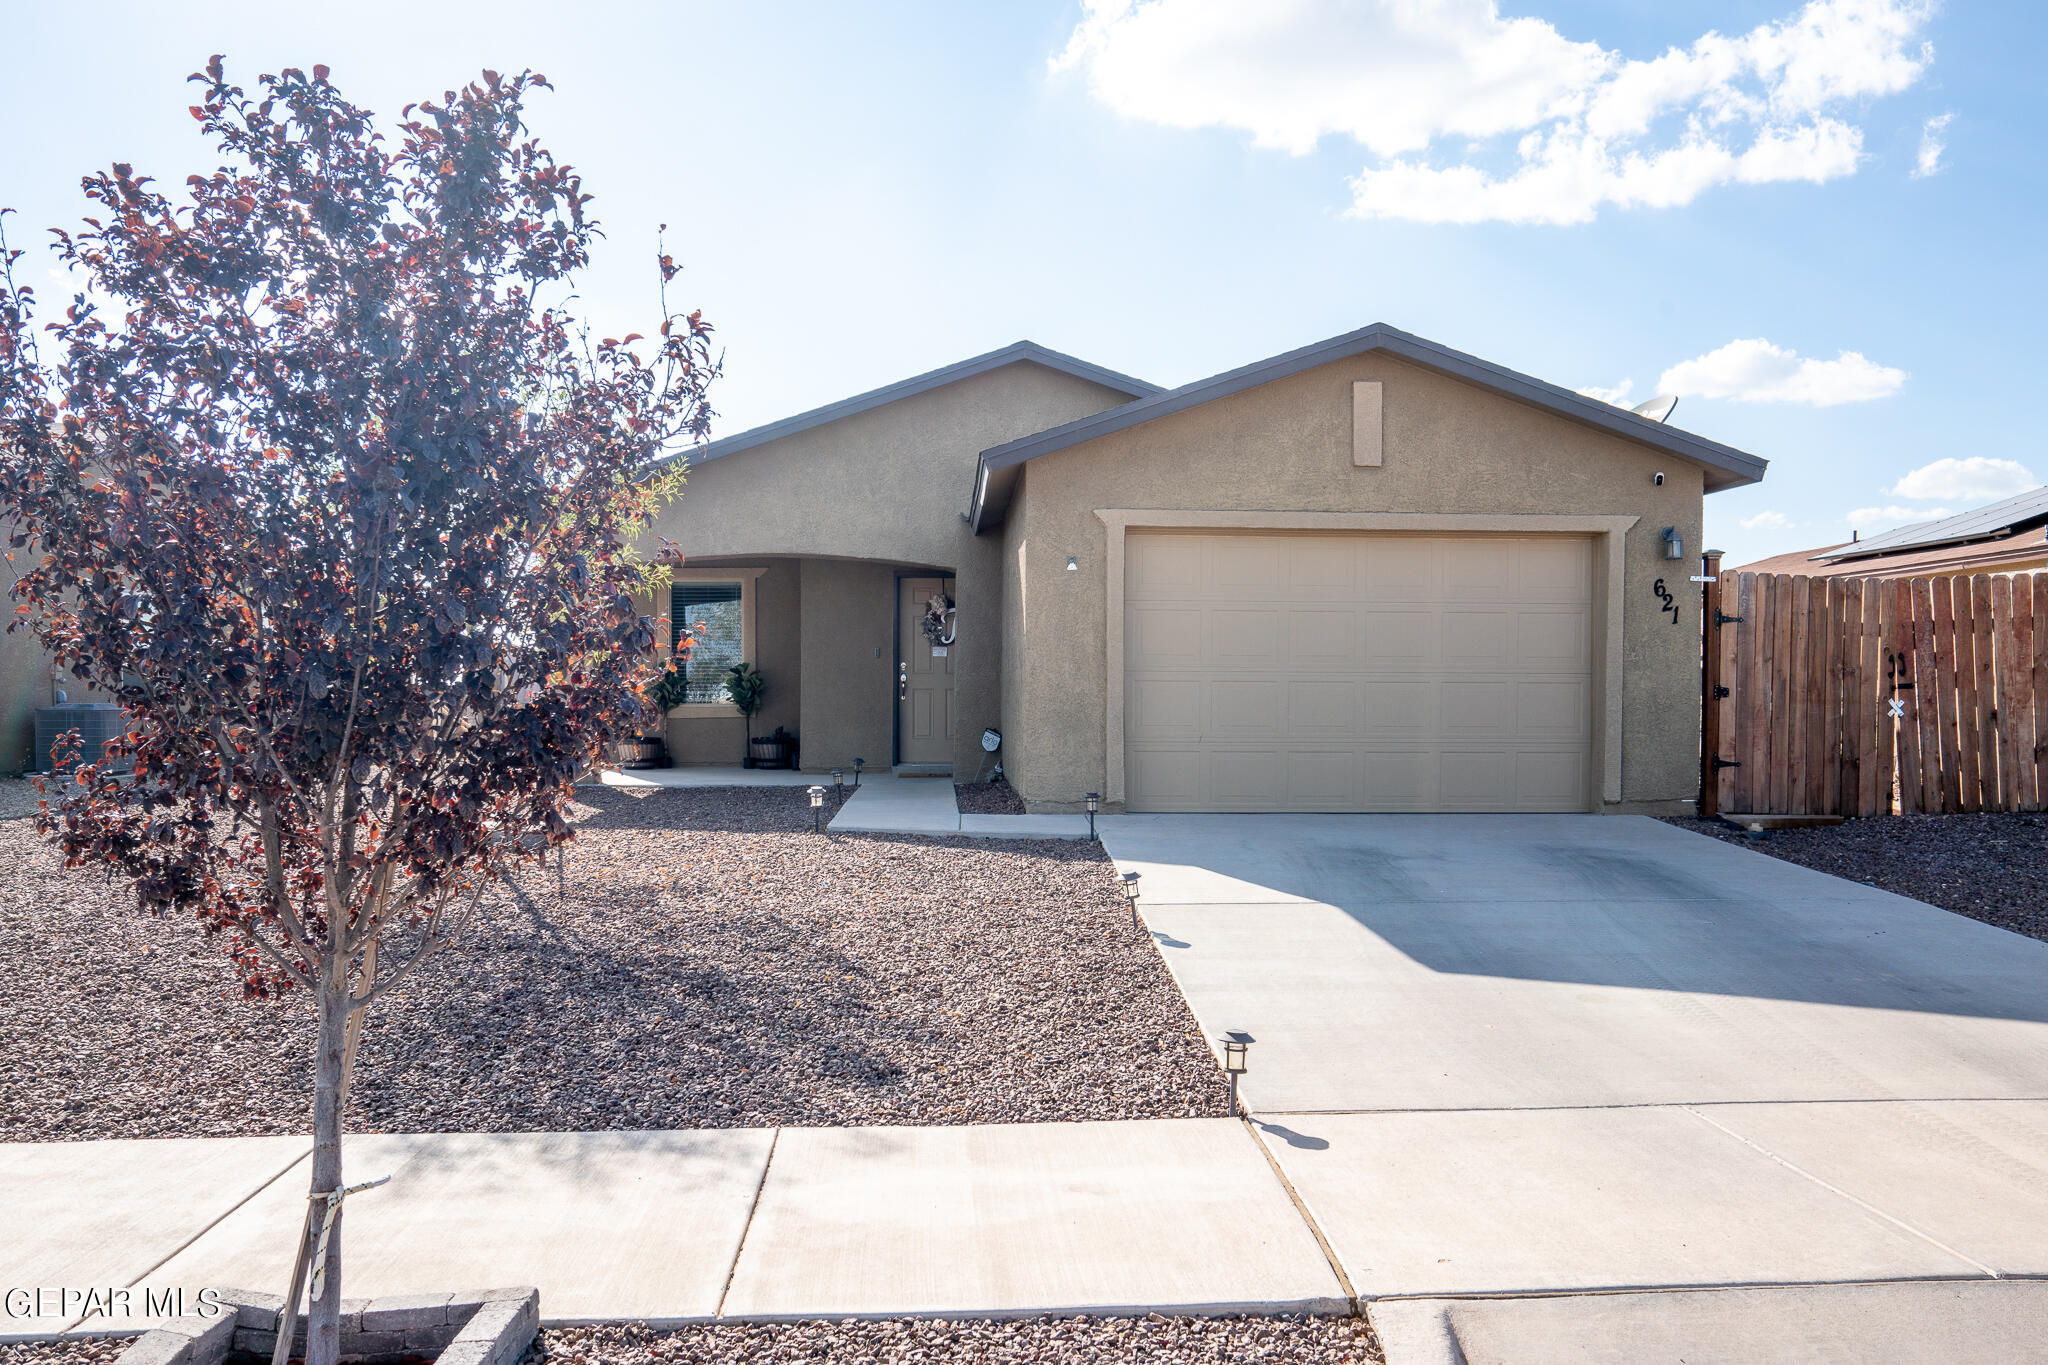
(1725, 467)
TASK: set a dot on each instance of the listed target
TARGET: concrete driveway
(1513, 1055)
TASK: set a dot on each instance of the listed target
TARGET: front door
(924, 673)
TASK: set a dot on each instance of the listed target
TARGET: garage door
(1357, 672)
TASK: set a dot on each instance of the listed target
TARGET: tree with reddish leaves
(314, 482)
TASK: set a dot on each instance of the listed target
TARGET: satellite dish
(1658, 409)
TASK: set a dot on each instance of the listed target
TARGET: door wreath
(938, 620)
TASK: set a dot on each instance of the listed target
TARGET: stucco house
(1371, 574)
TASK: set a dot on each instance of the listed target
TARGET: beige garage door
(1357, 672)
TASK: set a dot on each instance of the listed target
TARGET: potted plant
(651, 750)
(745, 685)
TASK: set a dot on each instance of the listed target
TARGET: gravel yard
(1990, 867)
(1271, 1341)
(987, 798)
(18, 797)
(70, 1351)
(715, 964)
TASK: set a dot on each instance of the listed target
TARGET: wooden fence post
(1710, 685)
(1987, 691)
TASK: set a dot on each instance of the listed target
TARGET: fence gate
(1862, 696)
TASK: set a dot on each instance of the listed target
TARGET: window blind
(710, 612)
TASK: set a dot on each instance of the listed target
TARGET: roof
(1022, 352)
(1984, 523)
(2014, 551)
(1726, 466)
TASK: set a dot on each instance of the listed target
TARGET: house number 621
(1664, 596)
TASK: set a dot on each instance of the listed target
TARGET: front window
(711, 612)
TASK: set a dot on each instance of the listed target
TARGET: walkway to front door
(924, 674)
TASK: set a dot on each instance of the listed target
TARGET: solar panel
(1996, 519)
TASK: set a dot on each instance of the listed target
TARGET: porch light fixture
(1236, 1050)
(858, 764)
(838, 787)
(1131, 895)
(1674, 547)
(817, 808)
(1073, 563)
(1094, 805)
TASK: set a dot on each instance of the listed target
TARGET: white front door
(924, 677)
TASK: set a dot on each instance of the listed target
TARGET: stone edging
(479, 1327)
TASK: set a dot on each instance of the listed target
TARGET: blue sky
(862, 192)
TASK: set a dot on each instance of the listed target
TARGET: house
(2006, 537)
(1373, 573)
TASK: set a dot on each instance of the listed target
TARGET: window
(713, 613)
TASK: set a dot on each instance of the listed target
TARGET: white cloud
(1767, 521)
(1932, 145)
(1589, 126)
(1754, 371)
(1886, 518)
(1618, 395)
(1977, 478)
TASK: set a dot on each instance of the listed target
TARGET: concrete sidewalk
(926, 805)
(1176, 1215)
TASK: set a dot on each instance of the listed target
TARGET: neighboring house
(1370, 574)
(2005, 537)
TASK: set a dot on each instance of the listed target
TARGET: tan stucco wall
(886, 486)
(1449, 448)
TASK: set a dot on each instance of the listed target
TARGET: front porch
(850, 671)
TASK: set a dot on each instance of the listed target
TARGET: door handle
(903, 680)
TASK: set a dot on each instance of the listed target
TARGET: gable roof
(2018, 551)
(995, 479)
(2026, 510)
(1025, 352)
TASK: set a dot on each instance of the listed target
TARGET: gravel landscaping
(1992, 868)
(988, 798)
(18, 797)
(69, 1351)
(1273, 1341)
(715, 964)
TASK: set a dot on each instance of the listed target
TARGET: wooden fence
(1861, 696)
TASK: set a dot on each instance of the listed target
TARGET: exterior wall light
(1094, 805)
(1073, 563)
(1674, 547)
(1131, 895)
(817, 808)
(1236, 1052)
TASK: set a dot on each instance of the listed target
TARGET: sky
(1818, 224)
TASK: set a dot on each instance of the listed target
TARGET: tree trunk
(323, 1323)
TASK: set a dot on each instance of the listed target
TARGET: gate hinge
(1722, 618)
(1721, 692)
(1720, 763)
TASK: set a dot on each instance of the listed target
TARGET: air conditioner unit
(96, 723)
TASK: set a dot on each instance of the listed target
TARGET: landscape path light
(1236, 1053)
(1094, 805)
(817, 808)
(1131, 895)
(838, 787)
(858, 764)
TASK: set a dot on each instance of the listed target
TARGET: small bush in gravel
(1990, 867)
(1195, 1340)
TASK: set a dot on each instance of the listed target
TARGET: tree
(338, 510)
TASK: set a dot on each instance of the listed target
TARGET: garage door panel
(1559, 710)
(1396, 569)
(1404, 708)
(1242, 709)
(1166, 636)
(1551, 638)
(1273, 671)
(1477, 637)
(1247, 634)
(1326, 709)
(1398, 637)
